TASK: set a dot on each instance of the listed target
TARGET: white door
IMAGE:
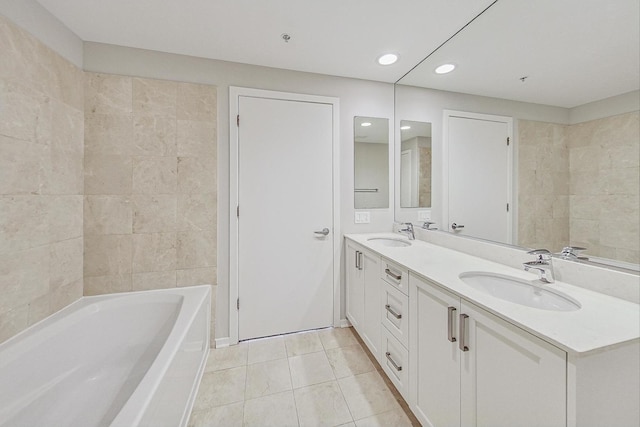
(479, 176)
(285, 198)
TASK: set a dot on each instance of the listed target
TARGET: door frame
(446, 115)
(234, 95)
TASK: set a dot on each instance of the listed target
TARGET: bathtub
(131, 359)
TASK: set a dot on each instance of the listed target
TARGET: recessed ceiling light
(405, 127)
(445, 68)
(365, 124)
(387, 59)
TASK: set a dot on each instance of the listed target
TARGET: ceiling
(572, 51)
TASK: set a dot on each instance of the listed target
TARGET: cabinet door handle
(463, 332)
(393, 313)
(360, 261)
(392, 274)
(393, 362)
(452, 313)
(357, 257)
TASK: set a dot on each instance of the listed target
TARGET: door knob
(455, 226)
(324, 231)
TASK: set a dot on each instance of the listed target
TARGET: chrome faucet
(542, 265)
(408, 230)
(573, 253)
(427, 225)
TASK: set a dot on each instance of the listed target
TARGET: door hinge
(508, 139)
(238, 120)
(238, 211)
(238, 303)
(507, 207)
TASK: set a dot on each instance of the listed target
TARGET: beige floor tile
(309, 369)
(227, 357)
(227, 416)
(266, 349)
(303, 343)
(337, 337)
(321, 405)
(266, 378)
(395, 417)
(349, 361)
(367, 394)
(220, 388)
(278, 410)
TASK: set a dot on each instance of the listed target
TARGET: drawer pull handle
(463, 331)
(392, 274)
(393, 362)
(452, 314)
(393, 313)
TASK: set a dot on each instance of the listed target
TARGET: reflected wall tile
(65, 262)
(154, 252)
(13, 322)
(107, 94)
(64, 173)
(23, 166)
(154, 175)
(197, 212)
(196, 249)
(154, 136)
(107, 255)
(26, 114)
(154, 214)
(24, 276)
(67, 128)
(197, 175)
(65, 295)
(23, 223)
(197, 102)
(196, 139)
(107, 215)
(39, 308)
(100, 285)
(64, 217)
(109, 134)
(196, 276)
(107, 174)
(153, 280)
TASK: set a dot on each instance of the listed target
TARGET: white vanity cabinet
(470, 367)
(364, 295)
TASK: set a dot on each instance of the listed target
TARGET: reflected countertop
(602, 321)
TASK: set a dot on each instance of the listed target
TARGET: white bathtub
(131, 359)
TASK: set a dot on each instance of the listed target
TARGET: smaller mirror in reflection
(371, 162)
(415, 164)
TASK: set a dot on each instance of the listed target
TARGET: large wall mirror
(568, 75)
(371, 162)
(415, 164)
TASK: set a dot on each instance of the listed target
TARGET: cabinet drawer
(395, 312)
(395, 362)
(395, 275)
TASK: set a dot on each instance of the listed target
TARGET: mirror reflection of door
(478, 178)
(371, 162)
(415, 164)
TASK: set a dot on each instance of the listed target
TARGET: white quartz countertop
(602, 321)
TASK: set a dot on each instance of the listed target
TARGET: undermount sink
(390, 242)
(519, 291)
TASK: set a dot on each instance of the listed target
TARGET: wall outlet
(424, 215)
(363, 217)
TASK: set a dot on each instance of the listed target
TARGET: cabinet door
(508, 376)
(355, 286)
(372, 299)
(434, 356)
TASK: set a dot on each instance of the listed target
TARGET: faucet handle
(542, 254)
(427, 225)
(572, 252)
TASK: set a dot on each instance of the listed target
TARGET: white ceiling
(573, 51)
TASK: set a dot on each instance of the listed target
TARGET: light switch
(363, 217)
(424, 215)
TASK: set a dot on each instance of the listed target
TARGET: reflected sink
(390, 242)
(519, 291)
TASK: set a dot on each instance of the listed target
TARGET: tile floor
(317, 378)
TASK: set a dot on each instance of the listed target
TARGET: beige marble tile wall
(41, 181)
(150, 184)
(605, 181)
(424, 195)
(543, 185)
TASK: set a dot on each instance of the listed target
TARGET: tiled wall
(424, 195)
(150, 184)
(543, 185)
(580, 184)
(41, 181)
(605, 181)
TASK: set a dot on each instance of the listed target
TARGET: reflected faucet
(542, 265)
(409, 230)
(427, 225)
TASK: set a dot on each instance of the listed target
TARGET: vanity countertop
(602, 321)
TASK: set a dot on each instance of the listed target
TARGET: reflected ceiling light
(445, 68)
(365, 124)
(387, 59)
(405, 127)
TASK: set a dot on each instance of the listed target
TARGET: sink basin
(390, 242)
(519, 291)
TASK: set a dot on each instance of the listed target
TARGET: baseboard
(222, 342)
(344, 323)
